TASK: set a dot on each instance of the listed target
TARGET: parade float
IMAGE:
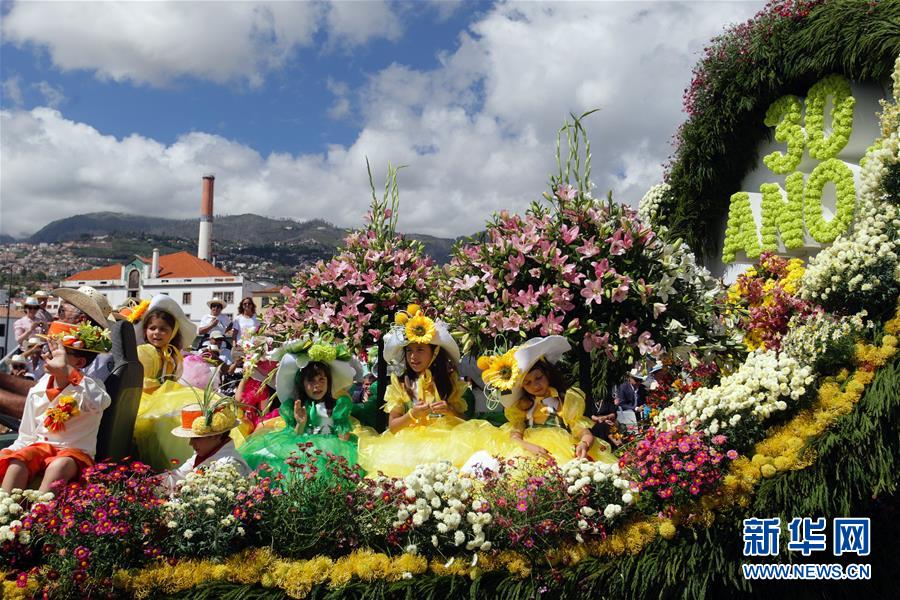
(778, 396)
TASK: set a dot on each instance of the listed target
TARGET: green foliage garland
(740, 233)
(838, 89)
(832, 170)
(772, 55)
(786, 115)
(780, 217)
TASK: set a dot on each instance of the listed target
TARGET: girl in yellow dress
(545, 416)
(165, 331)
(427, 403)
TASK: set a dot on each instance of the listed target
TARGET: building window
(226, 297)
(134, 281)
(132, 293)
(265, 301)
(186, 298)
(2, 329)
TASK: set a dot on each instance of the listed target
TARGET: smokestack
(154, 264)
(204, 246)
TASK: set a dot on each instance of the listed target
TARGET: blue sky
(275, 116)
(123, 106)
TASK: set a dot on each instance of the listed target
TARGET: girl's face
(316, 386)
(418, 356)
(158, 332)
(536, 383)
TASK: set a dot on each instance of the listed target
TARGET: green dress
(268, 452)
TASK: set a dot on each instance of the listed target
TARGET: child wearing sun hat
(427, 403)
(207, 427)
(545, 415)
(58, 433)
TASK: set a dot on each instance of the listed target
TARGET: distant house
(189, 280)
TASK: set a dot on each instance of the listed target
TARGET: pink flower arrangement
(673, 468)
(355, 294)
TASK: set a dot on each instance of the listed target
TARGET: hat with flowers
(294, 355)
(504, 372)
(212, 414)
(413, 326)
(84, 336)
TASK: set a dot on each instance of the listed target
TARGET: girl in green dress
(311, 383)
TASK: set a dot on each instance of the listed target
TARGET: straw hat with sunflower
(413, 326)
(504, 373)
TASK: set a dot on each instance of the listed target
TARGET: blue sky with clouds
(123, 106)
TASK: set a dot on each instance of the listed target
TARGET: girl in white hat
(545, 415)
(312, 384)
(427, 403)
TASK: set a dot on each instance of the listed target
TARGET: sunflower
(419, 330)
(502, 372)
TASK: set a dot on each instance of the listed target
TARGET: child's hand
(419, 410)
(300, 413)
(441, 408)
(56, 358)
(535, 449)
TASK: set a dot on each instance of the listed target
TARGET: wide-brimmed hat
(86, 304)
(197, 423)
(31, 302)
(217, 334)
(167, 304)
(218, 301)
(296, 354)
(86, 337)
(413, 326)
(41, 294)
(503, 375)
(98, 297)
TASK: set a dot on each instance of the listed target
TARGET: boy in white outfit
(58, 432)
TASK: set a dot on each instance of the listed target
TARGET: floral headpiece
(504, 373)
(134, 314)
(81, 337)
(412, 326)
(417, 328)
(294, 355)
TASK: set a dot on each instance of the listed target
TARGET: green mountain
(286, 241)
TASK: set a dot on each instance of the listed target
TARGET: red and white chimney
(204, 246)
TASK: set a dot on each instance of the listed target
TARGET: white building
(189, 280)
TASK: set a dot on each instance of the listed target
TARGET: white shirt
(226, 455)
(324, 419)
(79, 432)
(220, 326)
(101, 367)
(245, 326)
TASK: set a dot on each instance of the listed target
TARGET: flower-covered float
(777, 398)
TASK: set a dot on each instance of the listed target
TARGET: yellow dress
(436, 438)
(160, 409)
(558, 430)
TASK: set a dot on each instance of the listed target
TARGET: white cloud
(53, 96)
(340, 108)
(12, 91)
(355, 23)
(478, 132)
(156, 42)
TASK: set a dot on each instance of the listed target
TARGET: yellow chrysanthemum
(420, 330)
(503, 372)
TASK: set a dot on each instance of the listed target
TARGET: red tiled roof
(185, 264)
(176, 266)
(101, 274)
